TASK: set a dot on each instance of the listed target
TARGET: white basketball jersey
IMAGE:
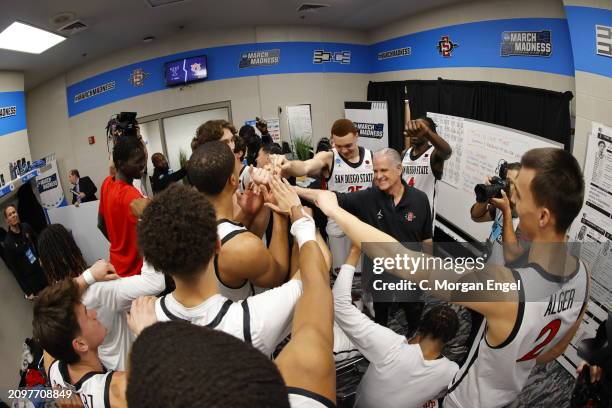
(347, 177)
(418, 173)
(93, 387)
(301, 398)
(227, 230)
(494, 376)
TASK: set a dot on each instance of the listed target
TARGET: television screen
(185, 70)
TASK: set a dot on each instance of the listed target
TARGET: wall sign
(446, 46)
(398, 52)
(526, 43)
(12, 112)
(109, 86)
(7, 111)
(603, 40)
(138, 76)
(340, 57)
(265, 58)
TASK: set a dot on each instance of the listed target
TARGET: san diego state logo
(138, 76)
(409, 216)
(446, 46)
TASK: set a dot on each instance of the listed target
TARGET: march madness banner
(372, 121)
(50, 186)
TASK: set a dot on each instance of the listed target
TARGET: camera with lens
(123, 124)
(484, 192)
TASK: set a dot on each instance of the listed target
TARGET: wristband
(88, 276)
(304, 230)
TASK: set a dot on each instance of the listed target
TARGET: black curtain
(537, 111)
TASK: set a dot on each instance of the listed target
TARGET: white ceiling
(118, 24)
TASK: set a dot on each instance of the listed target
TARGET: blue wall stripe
(10, 124)
(479, 46)
(582, 21)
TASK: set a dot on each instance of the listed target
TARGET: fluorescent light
(25, 38)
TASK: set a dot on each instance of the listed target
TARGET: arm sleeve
(89, 188)
(272, 314)
(377, 343)
(117, 295)
(352, 202)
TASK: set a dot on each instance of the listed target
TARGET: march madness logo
(446, 46)
(250, 59)
(526, 43)
(371, 130)
(138, 76)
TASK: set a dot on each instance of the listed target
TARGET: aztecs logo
(409, 216)
(446, 46)
(138, 76)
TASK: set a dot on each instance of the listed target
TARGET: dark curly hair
(239, 146)
(183, 365)
(210, 166)
(55, 323)
(210, 131)
(60, 256)
(126, 147)
(178, 232)
(440, 323)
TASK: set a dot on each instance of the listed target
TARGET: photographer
(503, 243)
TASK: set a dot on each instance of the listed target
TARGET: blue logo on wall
(371, 130)
(526, 43)
(322, 56)
(259, 58)
(8, 111)
(603, 35)
(138, 76)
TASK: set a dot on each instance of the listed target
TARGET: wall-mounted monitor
(185, 70)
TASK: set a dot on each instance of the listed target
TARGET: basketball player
(345, 169)
(71, 334)
(423, 162)
(243, 260)
(528, 324)
(402, 373)
(231, 374)
(187, 254)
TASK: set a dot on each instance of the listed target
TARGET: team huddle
(228, 300)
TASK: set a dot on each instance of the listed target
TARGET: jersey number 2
(552, 328)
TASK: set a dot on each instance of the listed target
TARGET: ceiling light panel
(25, 38)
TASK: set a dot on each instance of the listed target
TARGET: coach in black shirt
(394, 208)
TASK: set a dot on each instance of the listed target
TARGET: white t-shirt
(262, 320)
(111, 300)
(398, 375)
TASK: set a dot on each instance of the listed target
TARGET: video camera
(124, 124)
(484, 192)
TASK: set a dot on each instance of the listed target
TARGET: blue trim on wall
(479, 46)
(582, 21)
(17, 122)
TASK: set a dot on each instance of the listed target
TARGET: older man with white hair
(390, 206)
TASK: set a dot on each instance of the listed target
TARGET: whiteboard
(478, 148)
(83, 222)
